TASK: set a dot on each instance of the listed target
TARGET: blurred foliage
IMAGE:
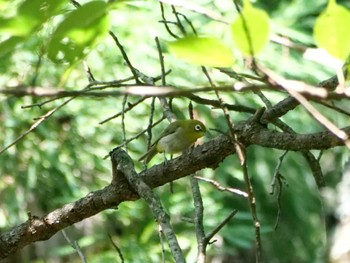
(62, 160)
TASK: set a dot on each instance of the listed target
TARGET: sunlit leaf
(80, 30)
(30, 17)
(31, 14)
(40, 9)
(250, 31)
(205, 51)
(331, 30)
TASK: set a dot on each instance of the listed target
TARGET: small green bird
(177, 137)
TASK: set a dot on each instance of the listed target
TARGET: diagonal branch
(123, 165)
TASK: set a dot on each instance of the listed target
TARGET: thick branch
(208, 155)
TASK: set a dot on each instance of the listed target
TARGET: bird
(177, 137)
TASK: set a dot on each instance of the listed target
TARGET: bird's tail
(149, 155)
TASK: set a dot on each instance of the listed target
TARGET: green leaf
(331, 30)
(250, 31)
(205, 51)
(40, 10)
(31, 14)
(9, 44)
(30, 17)
(80, 31)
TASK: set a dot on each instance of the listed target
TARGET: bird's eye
(198, 127)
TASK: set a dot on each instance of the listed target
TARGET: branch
(198, 220)
(123, 165)
(309, 92)
(210, 154)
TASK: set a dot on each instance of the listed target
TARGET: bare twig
(198, 220)
(197, 8)
(220, 226)
(291, 87)
(120, 254)
(137, 135)
(75, 246)
(217, 104)
(321, 118)
(279, 195)
(125, 56)
(58, 93)
(278, 177)
(123, 119)
(252, 205)
(36, 124)
(167, 22)
(165, 106)
(130, 107)
(161, 60)
(87, 69)
(333, 107)
(277, 171)
(222, 188)
(178, 21)
(150, 123)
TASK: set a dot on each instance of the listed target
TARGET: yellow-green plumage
(177, 137)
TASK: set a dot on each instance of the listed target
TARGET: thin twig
(165, 105)
(36, 124)
(333, 107)
(125, 56)
(222, 188)
(165, 22)
(123, 120)
(290, 87)
(198, 220)
(189, 23)
(278, 177)
(88, 71)
(279, 195)
(75, 246)
(198, 9)
(277, 171)
(217, 104)
(130, 107)
(161, 60)
(137, 135)
(321, 118)
(252, 205)
(178, 20)
(44, 92)
(120, 254)
(220, 226)
(150, 124)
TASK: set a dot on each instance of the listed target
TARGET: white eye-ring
(198, 127)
